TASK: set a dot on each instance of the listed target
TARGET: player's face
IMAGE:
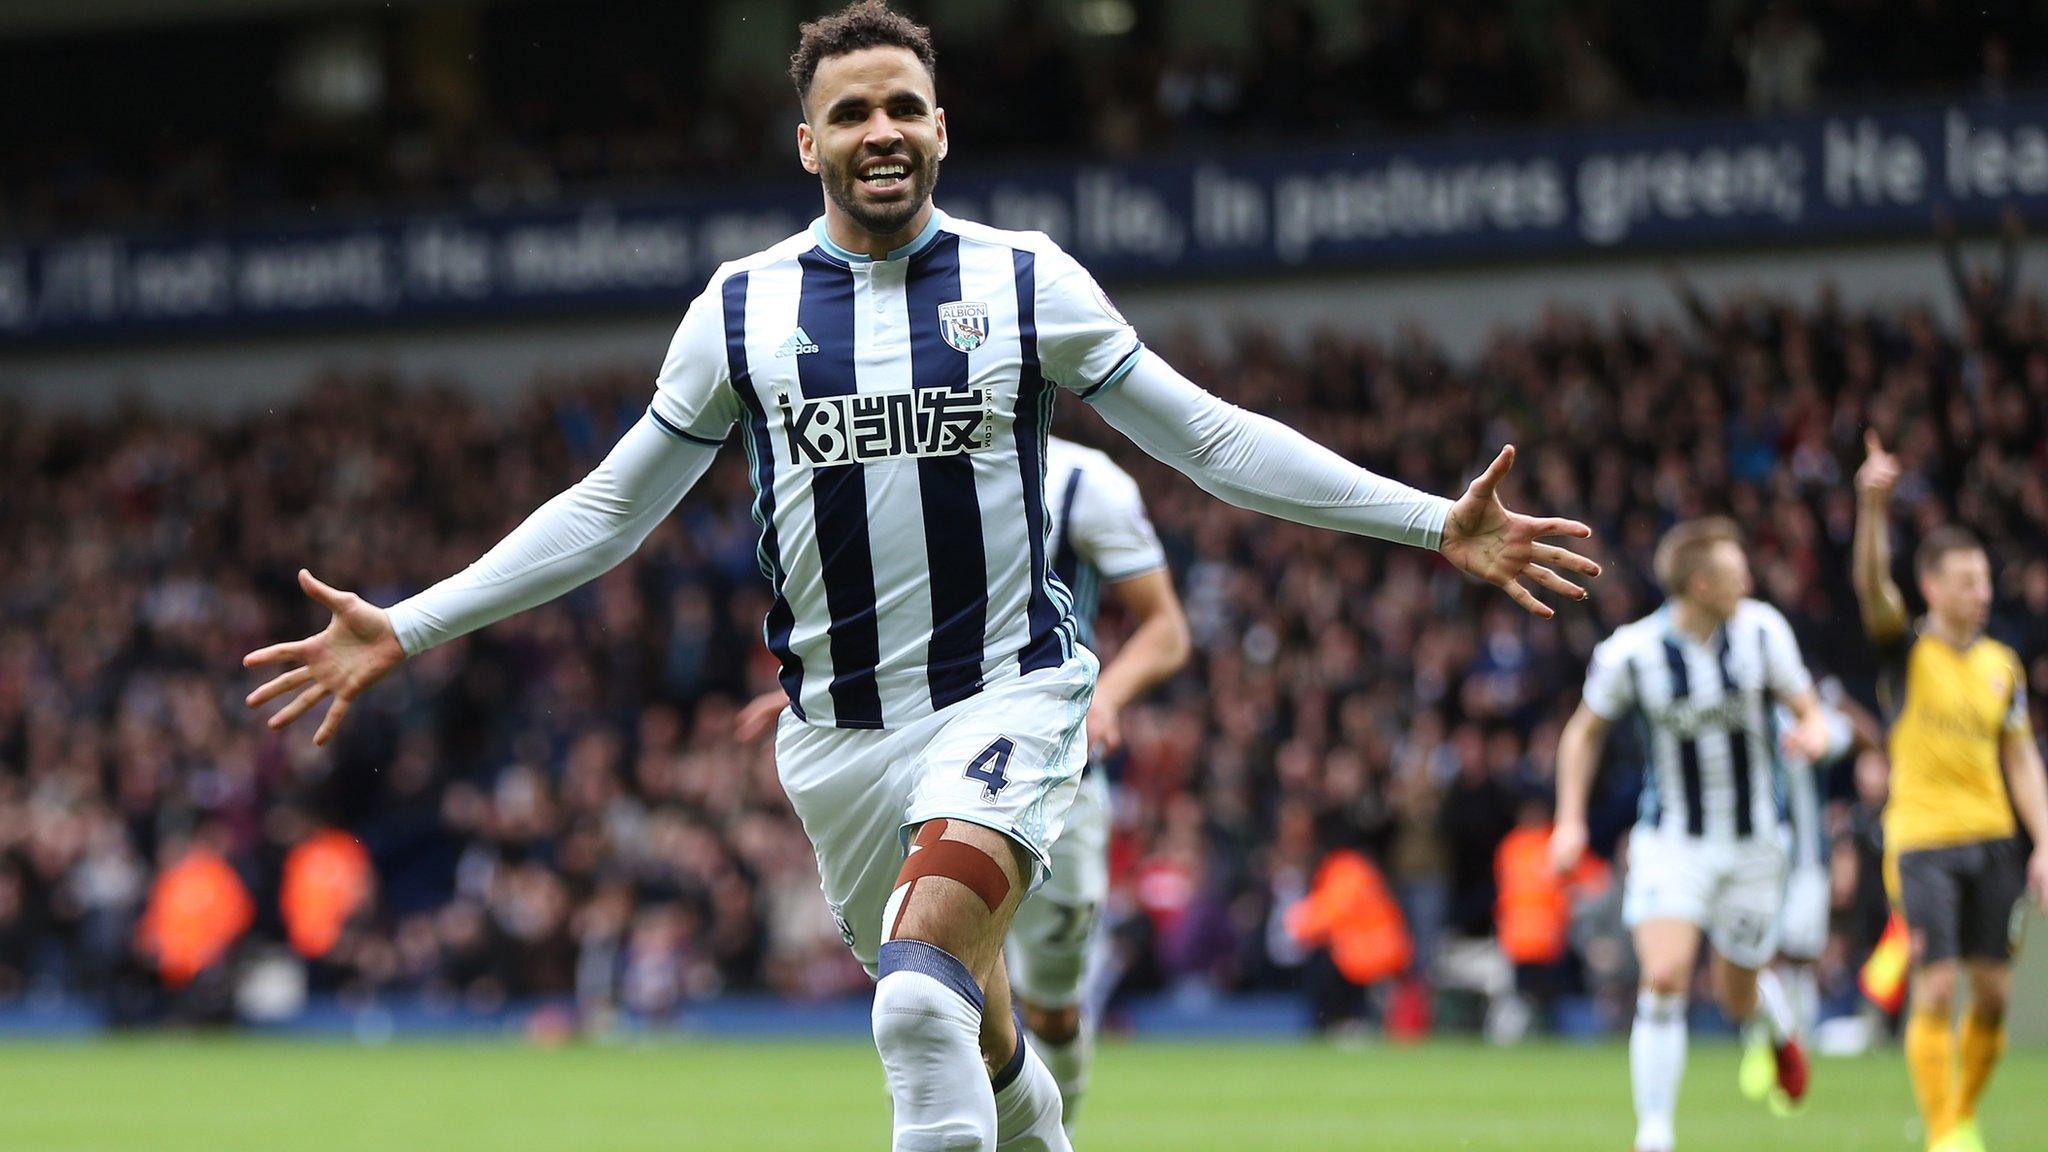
(1723, 580)
(874, 135)
(1958, 589)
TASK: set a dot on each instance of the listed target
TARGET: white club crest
(964, 324)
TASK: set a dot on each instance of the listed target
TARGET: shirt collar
(917, 244)
(1679, 636)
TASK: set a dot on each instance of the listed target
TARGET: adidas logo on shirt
(798, 344)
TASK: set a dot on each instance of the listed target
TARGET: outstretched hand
(1880, 471)
(355, 650)
(1501, 547)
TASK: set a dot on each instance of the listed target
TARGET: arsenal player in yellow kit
(1964, 765)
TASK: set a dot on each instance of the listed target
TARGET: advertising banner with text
(1734, 183)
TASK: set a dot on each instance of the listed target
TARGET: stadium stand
(555, 808)
(357, 111)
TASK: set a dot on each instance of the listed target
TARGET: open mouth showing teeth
(885, 176)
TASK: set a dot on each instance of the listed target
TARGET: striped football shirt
(1100, 533)
(1710, 730)
(894, 414)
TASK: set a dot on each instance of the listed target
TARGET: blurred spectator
(1536, 908)
(198, 909)
(326, 880)
(1478, 811)
(1350, 916)
(1420, 860)
(16, 939)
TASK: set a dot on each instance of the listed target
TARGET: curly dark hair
(866, 24)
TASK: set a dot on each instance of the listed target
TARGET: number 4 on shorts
(987, 767)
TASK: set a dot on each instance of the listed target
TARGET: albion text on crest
(964, 324)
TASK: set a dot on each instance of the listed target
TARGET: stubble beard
(839, 185)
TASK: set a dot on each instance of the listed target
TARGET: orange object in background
(327, 877)
(197, 909)
(1533, 913)
(1883, 978)
(1349, 909)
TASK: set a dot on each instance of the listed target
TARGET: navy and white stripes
(1740, 740)
(1050, 609)
(1101, 534)
(897, 414)
(1706, 706)
(1690, 777)
(761, 468)
(1079, 576)
(839, 494)
(952, 508)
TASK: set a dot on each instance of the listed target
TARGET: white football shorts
(1050, 939)
(1733, 890)
(1803, 929)
(1008, 758)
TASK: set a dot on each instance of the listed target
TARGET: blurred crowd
(497, 103)
(557, 807)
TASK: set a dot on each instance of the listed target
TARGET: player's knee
(1047, 975)
(1738, 1001)
(926, 1015)
(1667, 979)
(1660, 1008)
(1988, 997)
(897, 1022)
(923, 1001)
(1934, 989)
(1053, 1025)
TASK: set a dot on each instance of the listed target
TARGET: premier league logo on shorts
(839, 918)
(964, 324)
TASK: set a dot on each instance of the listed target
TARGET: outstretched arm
(1884, 607)
(1260, 464)
(580, 534)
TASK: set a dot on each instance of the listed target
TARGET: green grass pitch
(216, 1095)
